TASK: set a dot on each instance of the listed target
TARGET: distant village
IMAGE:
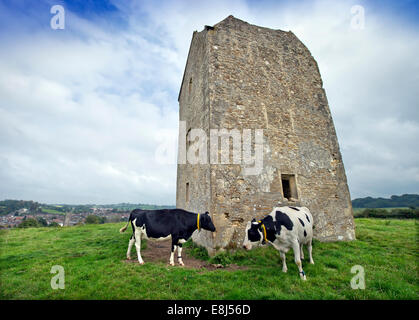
(12, 220)
(15, 212)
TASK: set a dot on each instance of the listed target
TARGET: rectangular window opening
(289, 187)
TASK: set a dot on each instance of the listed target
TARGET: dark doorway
(289, 187)
(286, 188)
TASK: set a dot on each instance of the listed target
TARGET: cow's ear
(253, 220)
(206, 212)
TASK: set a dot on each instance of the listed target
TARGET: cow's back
(302, 224)
(154, 223)
(159, 223)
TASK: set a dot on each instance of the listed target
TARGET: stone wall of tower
(194, 110)
(263, 78)
(259, 78)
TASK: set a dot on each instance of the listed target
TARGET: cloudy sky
(85, 111)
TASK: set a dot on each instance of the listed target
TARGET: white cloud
(80, 118)
(83, 111)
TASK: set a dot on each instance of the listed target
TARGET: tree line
(403, 201)
(13, 206)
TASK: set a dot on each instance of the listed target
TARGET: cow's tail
(122, 230)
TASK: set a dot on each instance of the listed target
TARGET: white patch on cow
(130, 244)
(179, 253)
(145, 236)
(172, 257)
(138, 246)
(162, 238)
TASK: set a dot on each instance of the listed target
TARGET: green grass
(53, 211)
(92, 256)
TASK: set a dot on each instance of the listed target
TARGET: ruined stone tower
(242, 76)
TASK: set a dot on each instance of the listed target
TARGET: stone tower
(242, 76)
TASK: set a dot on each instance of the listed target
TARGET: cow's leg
(179, 255)
(296, 249)
(284, 261)
(172, 255)
(310, 249)
(301, 252)
(130, 244)
(137, 237)
(282, 253)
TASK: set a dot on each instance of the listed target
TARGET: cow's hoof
(303, 277)
(311, 262)
(128, 258)
(172, 264)
(141, 262)
(181, 264)
(284, 270)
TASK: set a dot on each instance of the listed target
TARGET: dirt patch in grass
(159, 251)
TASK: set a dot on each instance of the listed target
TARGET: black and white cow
(284, 228)
(175, 224)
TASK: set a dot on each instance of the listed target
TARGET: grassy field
(92, 256)
(53, 211)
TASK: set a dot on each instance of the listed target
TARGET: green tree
(42, 222)
(53, 224)
(29, 223)
(92, 219)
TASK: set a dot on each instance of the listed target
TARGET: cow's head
(253, 235)
(206, 222)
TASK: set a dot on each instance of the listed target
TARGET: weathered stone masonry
(242, 76)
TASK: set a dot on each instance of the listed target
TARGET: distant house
(21, 211)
